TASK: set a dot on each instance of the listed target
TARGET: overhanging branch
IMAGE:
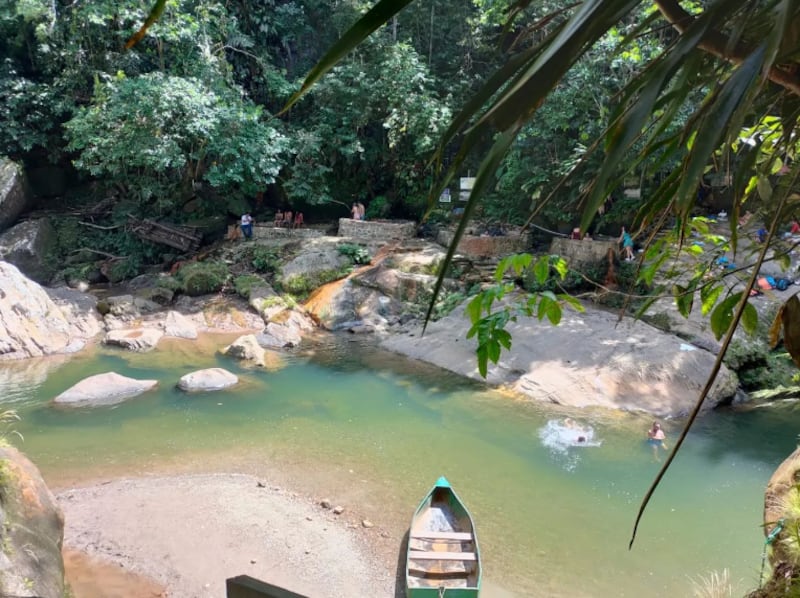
(718, 45)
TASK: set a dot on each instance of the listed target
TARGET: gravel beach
(182, 536)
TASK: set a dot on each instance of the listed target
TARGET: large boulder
(589, 359)
(266, 301)
(402, 286)
(32, 530)
(32, 324)
(207, 380)
(14, 197)
(286, 330)
(425, 260)
(31, 247)
(352, 303)
(312, 269)
(103, 389)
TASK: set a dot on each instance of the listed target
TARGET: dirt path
(182, 536)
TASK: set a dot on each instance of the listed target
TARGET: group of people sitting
(288, 220)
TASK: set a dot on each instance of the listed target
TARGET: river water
(352, 422)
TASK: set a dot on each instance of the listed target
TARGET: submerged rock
(103, 389)
(246, 348)
(207, 380)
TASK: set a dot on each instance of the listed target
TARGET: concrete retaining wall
(377, 230)
(582, 252)
(274, 232)
(486, 246)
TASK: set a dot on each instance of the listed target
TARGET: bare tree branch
(103, 253)
(100, 227)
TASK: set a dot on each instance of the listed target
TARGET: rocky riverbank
(590, 359)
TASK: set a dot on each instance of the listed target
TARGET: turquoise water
(374, 430)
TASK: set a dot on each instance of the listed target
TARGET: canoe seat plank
(442, 556)
(458, 536)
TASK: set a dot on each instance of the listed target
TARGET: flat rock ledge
(207, 380)
(103, 389)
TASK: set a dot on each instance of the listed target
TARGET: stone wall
(582, 252)
(486, 246)
(377, 230)
(13, 193)
(274, 232)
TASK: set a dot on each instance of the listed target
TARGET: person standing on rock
(247, 225)
(627, 245)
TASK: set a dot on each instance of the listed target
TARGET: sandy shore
(182, 536)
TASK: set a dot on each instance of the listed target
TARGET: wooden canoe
(443, 559)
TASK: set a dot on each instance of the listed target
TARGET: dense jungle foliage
(183, 125)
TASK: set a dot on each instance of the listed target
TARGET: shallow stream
(374, 431)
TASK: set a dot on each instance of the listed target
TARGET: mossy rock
(203, 278)
(246, 283)
(32, 530)
(159, 294)
(302, 284)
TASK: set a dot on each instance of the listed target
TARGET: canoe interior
(442, 525)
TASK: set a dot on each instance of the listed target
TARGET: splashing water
(561, 435)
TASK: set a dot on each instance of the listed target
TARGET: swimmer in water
(656, 438)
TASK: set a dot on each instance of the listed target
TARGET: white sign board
(466, 184)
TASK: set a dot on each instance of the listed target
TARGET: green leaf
(560, 265)
(520, 262)
(722, 316)
(544, 304)
(493, 350)
(503, 337)
(764, 188)
(750, 319)
(554, 313)
(155, 14)
(473, 309)
(684, 298)
(708, 296)
(483, 360)
(541, 269)
(572, 302)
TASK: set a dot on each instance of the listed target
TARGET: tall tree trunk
(430, 42)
